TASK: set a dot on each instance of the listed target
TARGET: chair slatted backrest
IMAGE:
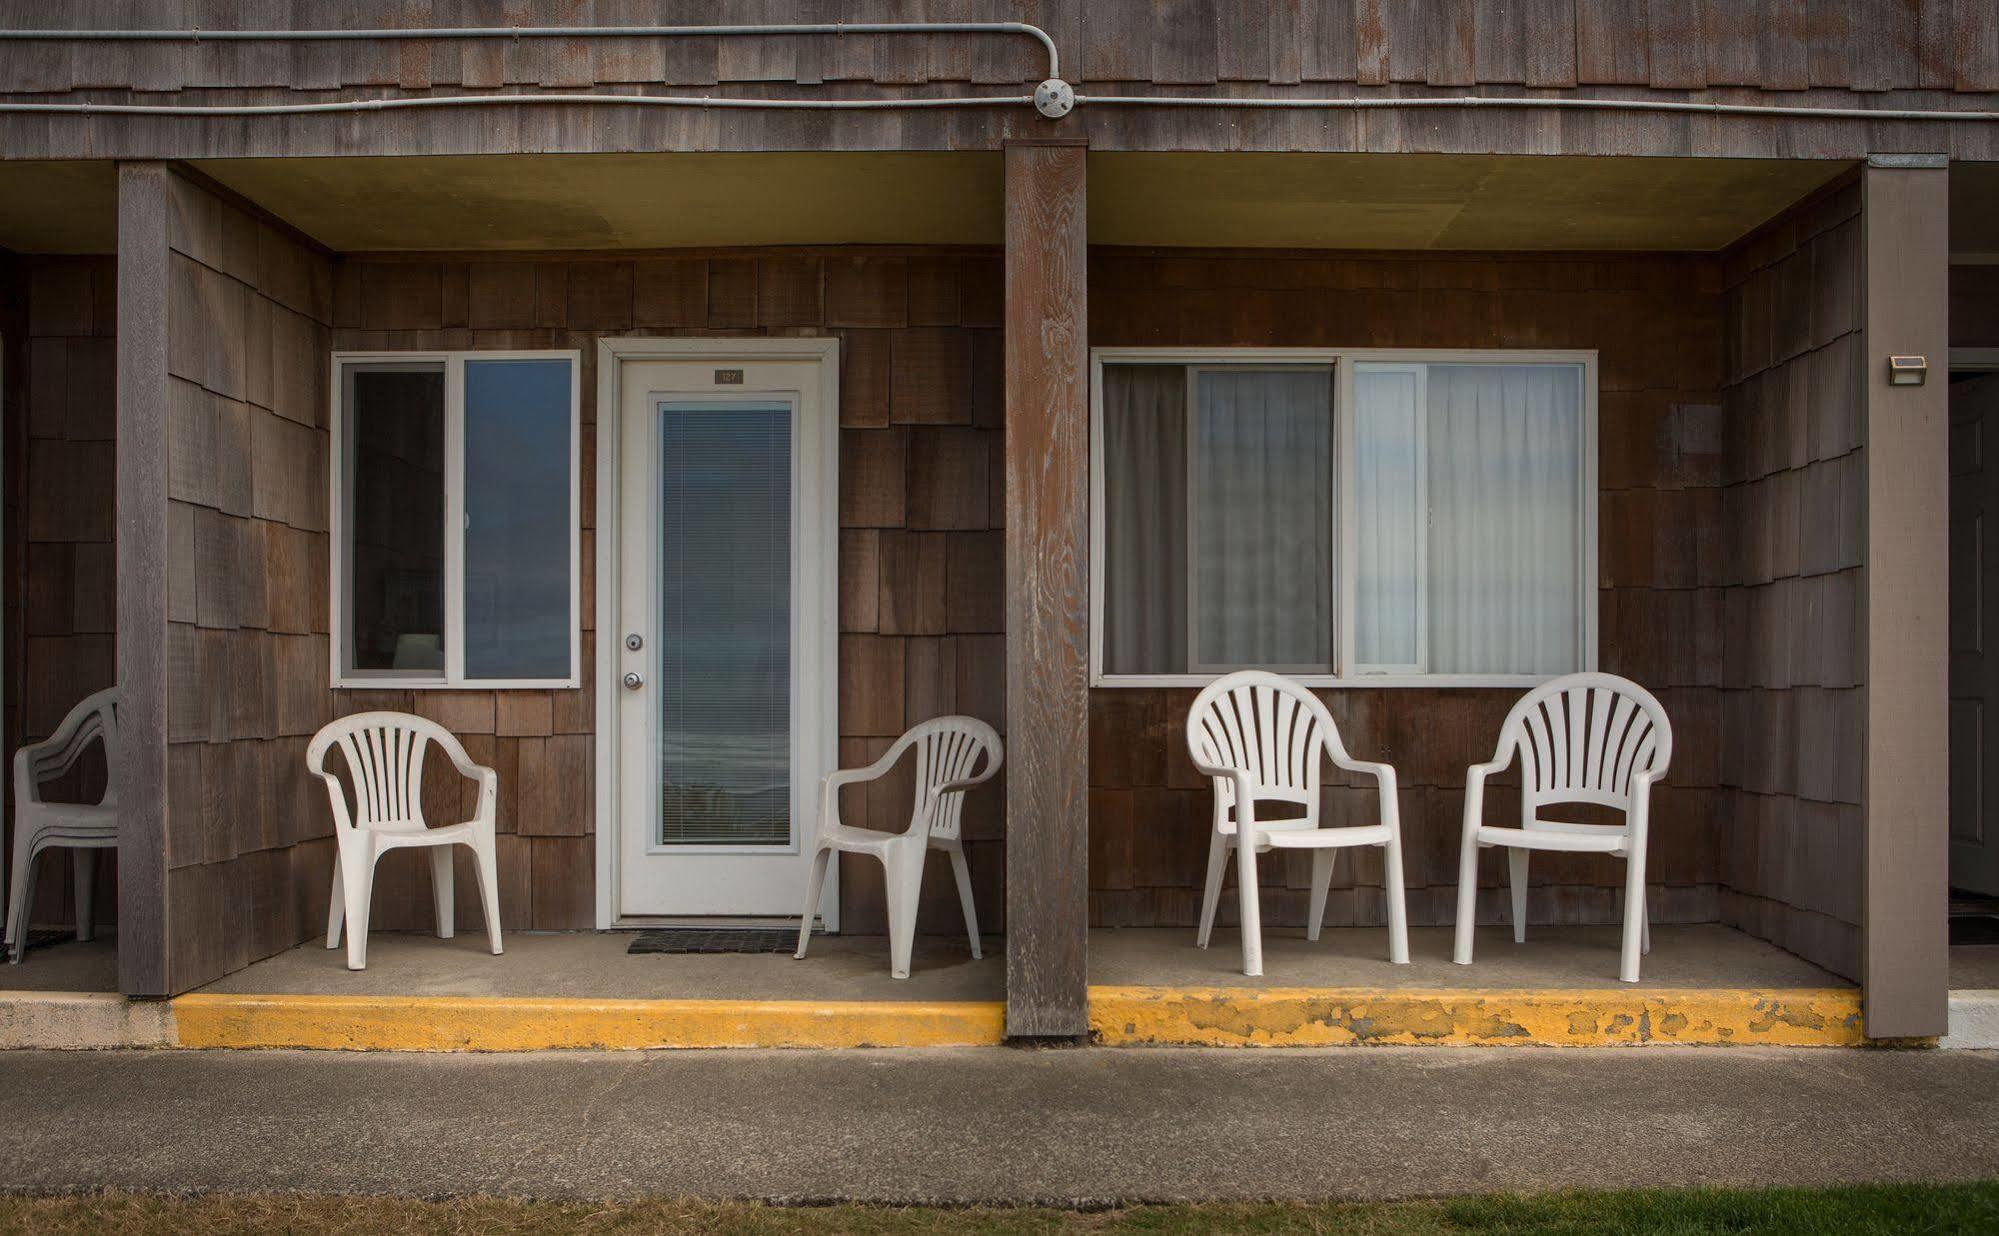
(1267, 726)
(1584, 738)
(948, 750)
(384, 753)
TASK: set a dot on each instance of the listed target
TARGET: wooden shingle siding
(1656, 322)
(1843, 53)
(1792, 706)
(248, 830)
(59, 316)
(1663, 44)
(920, 570)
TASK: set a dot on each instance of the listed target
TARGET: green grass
(1885, 1209)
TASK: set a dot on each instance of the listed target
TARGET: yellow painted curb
(1593, 1017)
(502, 1023)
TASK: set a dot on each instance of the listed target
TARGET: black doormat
(1974, 929)
(44, 937)
(716, 940)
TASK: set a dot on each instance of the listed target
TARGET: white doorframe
(824, 543)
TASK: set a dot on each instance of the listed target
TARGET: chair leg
(1634, 917)
(83, 878)
(336, 903)
(1645, 941)
(1322, 880)
(441, 890)
(357, 883)
(963, 872)
(1516, 871)
(1398, 904)
(1467, 898)
(19, 887)
(1211, 898)
(486, 861)
(813, 886)
(904, 873)
(1252, 921)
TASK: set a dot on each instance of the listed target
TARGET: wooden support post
(143, 213)
(1047, 593)
(1904, 926)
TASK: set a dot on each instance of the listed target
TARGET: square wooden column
(141, 511)
(1904, 919)
(1047, 593)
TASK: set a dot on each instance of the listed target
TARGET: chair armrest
(1384, 780)
(27, 787)
(829, 785)
(1475, 787)
(53, 756)
(337, 796)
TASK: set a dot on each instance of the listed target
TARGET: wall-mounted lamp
(1908, 370)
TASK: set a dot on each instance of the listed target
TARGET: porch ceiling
(58, 207)
(1467, 202)
(627, 201)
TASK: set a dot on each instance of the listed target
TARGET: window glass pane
(1505, 448)
(1388, 518)
(725, 623)
(1261, 519)
(394, 462)
(1145, 519)
(517, 517)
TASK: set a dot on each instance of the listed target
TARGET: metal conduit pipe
(198, 35)
(1560, 103)
(1053, 98)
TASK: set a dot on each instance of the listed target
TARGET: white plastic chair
(1584, 738)
(83, 828)
(947, 750)
(1261, 737)
(384, 752)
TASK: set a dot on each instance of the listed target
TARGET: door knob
(634, 680)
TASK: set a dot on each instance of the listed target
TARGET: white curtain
(1145, 519)
(1388, 517)
(1261, 519)
(1505, 519)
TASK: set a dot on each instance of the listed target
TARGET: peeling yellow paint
(1331, 1017)
(501, 1023)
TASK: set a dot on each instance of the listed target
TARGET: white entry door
(727, 540)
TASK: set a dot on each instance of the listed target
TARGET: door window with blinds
(1376, 516)
(455, 516)
(725, 623)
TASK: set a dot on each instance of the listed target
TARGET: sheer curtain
(1145, 519)
(1389, 540)
(1505, 518)
(1261, 514)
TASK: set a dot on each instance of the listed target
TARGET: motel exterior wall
(1656, 323)
(223, 860)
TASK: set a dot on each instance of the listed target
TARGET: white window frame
(453, 676)
(1343, 361)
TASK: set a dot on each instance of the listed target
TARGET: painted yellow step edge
(507, 1023)
(1592, 1017)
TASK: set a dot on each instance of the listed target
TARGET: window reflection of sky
(725, 621)
(517, 539)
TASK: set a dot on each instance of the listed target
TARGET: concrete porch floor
(596, 965)
(588, 964)
(1700, 955)
(70, 965)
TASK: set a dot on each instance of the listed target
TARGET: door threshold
(639, 922)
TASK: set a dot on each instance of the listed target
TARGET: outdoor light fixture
(1908, 370)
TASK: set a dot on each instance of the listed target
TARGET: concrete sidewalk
(995, 1125)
